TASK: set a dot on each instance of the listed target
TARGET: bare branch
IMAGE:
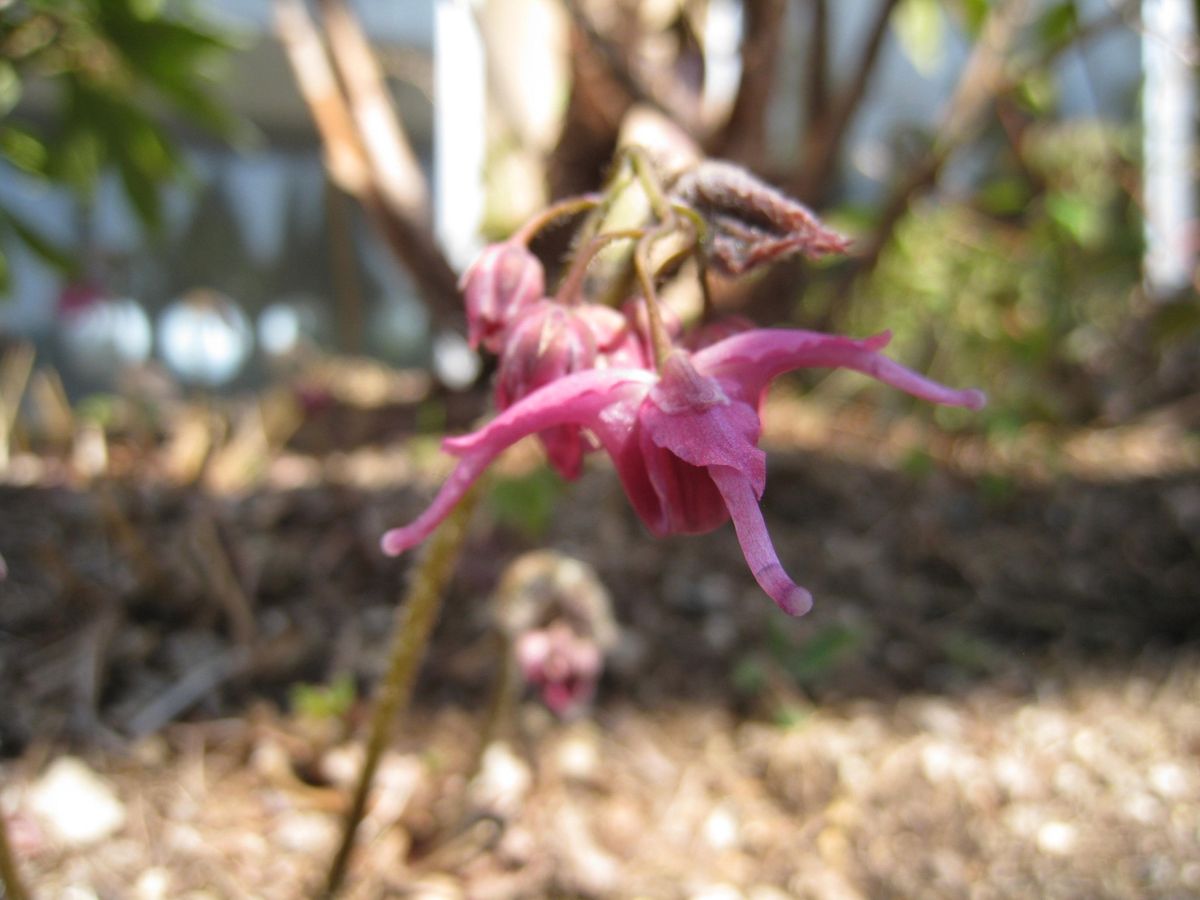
(351, 166)
(741, 137)
(825, 136)
(668, 95)
(817, 94)
(387, 147)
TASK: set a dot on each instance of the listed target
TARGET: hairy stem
(568, 207)
(414, 623)
(569, 290)
(641, 266)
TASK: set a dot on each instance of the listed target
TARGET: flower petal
(574, 399)
(756, 542)
(396, 540)
(691, 416)
(750, 361)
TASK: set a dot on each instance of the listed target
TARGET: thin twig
(222, 579)
(388, 150)
(816, 94)
(741, 136)
(351, 167)
(825, 137)
(666, 94)
(414, 623)
(195, 684)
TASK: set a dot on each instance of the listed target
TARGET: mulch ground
(995, 695)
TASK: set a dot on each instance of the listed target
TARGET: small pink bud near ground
(557, 616)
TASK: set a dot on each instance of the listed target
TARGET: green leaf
(54, 256)
(920, 29)
(1004, 196)
(1075, 215)
(23, 150)
(809, 660)
(749, 676)
(1059, 23)
(172, 57)
(10, 87)
(975, 12)
(319, 701)
(5, 274)
(1038, 92)
(527, 503)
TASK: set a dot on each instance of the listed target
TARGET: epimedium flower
(684, 439)
(548, 341)
(505, 279)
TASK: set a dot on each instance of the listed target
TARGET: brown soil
(995, 696)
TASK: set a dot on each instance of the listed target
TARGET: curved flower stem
(643, 168)
(567, 207)
(10, 879)
(414, 623)
(569, 290)
(699, 236)
(641, 265)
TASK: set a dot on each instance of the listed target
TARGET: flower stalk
(570, 207)
(414, 623)
(571, 288)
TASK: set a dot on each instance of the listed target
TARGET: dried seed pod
(751, 224)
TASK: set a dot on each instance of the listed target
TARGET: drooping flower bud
(503, 280)
(544, 343)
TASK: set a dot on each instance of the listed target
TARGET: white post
(459, 144)
(1169, 56)
(459, 130)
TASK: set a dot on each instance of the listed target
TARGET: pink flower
(684, 441)
(563, 665)
(503, 280)
(544, 342)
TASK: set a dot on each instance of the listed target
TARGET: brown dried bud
(751, 224)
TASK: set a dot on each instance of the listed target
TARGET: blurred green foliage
(526, 503)
(324, 701)
(104, 78)
(1021, 286)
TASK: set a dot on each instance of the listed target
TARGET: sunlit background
(242, 226)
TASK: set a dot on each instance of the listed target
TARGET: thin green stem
(648, 178)
(568, 207)
(641, 265)
(700, 237)
(571, 287)
(414, 623)
(14, 888)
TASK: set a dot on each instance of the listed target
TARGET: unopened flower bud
(503, 280)
(546, 342)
